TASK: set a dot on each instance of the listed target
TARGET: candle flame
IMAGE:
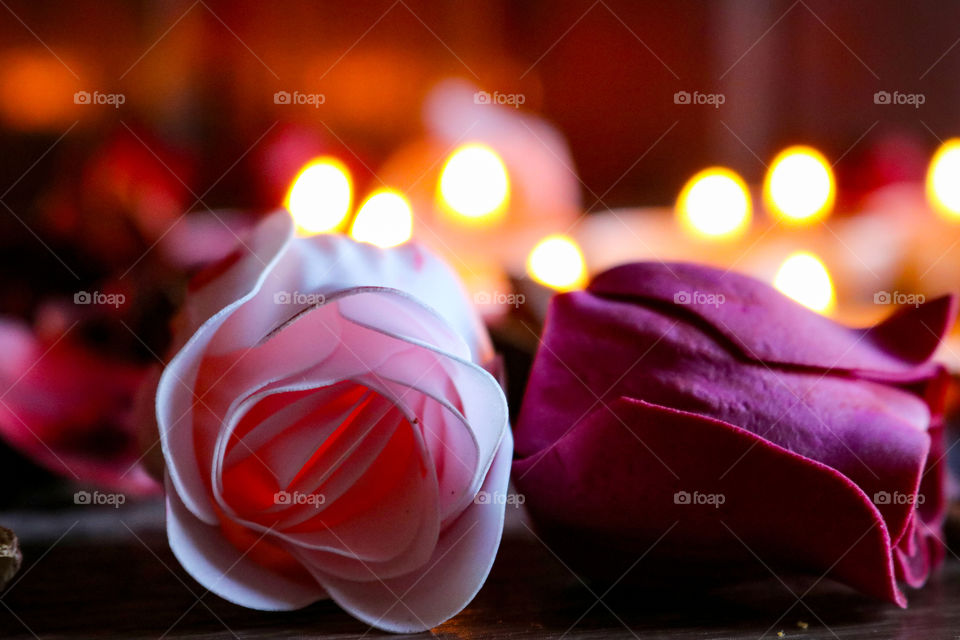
(385, 219)
(943, 180)
(803, 277)
(320, 196)
(715, 203)
(473, 184)
(799, 187)
(557, 262)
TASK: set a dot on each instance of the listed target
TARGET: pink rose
(328, 428)
(705, 418)
(69, 408)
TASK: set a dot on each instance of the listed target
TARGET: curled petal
(767, 326)
(230, 573)
(587, 481)
(448, 581)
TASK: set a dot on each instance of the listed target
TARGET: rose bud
(706, 422)
(326, 426)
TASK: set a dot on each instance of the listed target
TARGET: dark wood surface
(91, 572)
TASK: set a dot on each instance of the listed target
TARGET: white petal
(333, 263)
(449, 581)
(175, 398)
(220, 567)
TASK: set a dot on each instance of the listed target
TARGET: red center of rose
(250, 486)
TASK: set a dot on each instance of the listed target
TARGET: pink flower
(705, 407)
(70, 409)
(327, 427)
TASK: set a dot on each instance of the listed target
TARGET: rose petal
(874, 434)
(382, 357)
(394, 496)
(225, 570)
(323, 266)
(67, 408)
(585, 488)
(449, 581)
(770, 327)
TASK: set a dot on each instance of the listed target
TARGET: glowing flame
(319, 198)
(803, 277)
(557, 262)
(473, 184)
(385, 219)
(715, 203)
(799, 187)
(943, 180)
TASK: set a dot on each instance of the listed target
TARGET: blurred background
(202, 75)
(531, 144)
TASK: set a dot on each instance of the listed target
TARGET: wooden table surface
(93, 572)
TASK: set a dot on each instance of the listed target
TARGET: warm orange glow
(943, 180)
(385, 219)
(320, 196)
(803, 277)
(473, 185)
(715, 203)
(557, 262)
(36, 91)
(799, 187)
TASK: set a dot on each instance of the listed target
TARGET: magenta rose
(329, 430)
(706, 418)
